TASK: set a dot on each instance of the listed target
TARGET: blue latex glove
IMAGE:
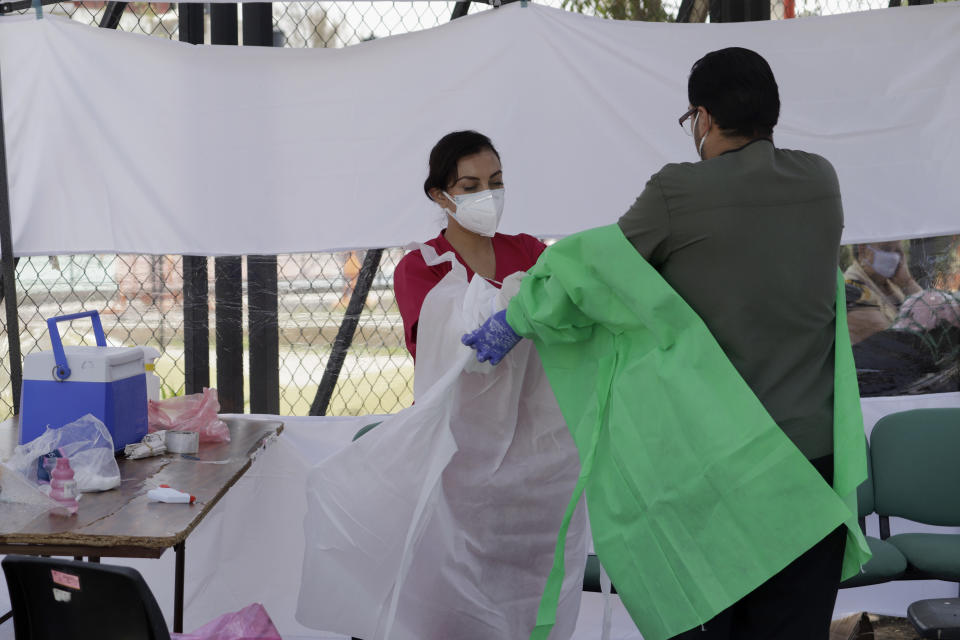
(493, 340)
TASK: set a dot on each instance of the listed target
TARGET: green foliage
(167, 391)
(646, 10)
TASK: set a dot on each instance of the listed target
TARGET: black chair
(53, 599)
(591, 575)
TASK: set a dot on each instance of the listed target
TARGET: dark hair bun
(447, 153)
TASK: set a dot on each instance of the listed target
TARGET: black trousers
(795, 604)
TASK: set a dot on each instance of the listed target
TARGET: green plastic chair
(887, 562)
(363, 430)
(916, 463)
(356, 437)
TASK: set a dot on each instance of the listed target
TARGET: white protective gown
(441, 522)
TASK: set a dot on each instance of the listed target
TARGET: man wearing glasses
(750, 237)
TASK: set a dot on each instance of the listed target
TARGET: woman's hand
(493, 340)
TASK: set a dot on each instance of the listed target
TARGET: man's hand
(493, 340)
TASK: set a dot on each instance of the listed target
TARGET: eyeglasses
(688, 129)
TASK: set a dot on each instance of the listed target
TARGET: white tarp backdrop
(120, 143)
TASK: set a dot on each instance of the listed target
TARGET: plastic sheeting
(120, 143)
(441, 522)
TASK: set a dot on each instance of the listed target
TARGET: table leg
(178, 588)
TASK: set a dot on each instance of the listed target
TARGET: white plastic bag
(85, 441)
(442, 521)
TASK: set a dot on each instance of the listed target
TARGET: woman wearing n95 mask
(466, 181)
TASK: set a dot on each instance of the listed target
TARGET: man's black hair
(737, 87)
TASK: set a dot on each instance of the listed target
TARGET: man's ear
(704, 122)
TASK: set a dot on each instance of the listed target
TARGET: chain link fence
(140, 297)
(140, 300)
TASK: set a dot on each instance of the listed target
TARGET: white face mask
(478, 212)
(885, 262)
(703, 139)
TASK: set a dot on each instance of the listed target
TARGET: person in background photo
(919, 353)
(878, 282)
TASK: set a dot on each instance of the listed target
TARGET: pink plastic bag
(196, 412)
(250, 623)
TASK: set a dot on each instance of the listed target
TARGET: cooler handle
(62, 371)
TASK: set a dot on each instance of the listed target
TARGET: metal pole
(9, 272)
(228, 270)
(262, 309)
(16, 261)
(196, 324)
(196, 315)
(358, 299)
(262, 306)
(228, 289)
(111, 15)
(756, 10)
(191, 22)
(258, 24)
(460, 9)
(739, 10)
(178, 578)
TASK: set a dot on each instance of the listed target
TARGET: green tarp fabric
(695, 496)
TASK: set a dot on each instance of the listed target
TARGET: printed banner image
(903, 310)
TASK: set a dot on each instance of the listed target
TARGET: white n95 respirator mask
(885, 262)
(478, 212)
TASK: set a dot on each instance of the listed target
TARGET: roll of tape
(183, 441)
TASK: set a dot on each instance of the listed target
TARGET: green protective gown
(695, 495)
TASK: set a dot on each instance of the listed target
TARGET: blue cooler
(66, 383)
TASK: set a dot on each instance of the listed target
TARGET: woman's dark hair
(448, 151)
(737, 87)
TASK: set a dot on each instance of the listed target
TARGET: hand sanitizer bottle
(63, 488)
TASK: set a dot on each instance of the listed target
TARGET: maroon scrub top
(413, 278)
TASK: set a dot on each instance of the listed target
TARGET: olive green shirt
(750, 239)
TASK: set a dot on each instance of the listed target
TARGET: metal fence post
(358, 299)
(262, 316)
(228, 270)
(739, 10)
(196, 315)
(460, 9)
(111, 14)
(9, 273)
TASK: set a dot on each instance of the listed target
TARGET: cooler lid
(87, 363)
(111, 356)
